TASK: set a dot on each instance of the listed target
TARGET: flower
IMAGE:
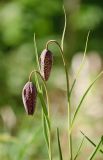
(29, 96)
(46, 60)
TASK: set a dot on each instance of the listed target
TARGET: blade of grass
(44, 108)
(85, 51)
(71, 89)
(59, 146)
(37, 63)
(81, 65)
(90, 141)
(82, 99)
(45, 129)
(96, 149)
(36, 53)
(64, 29)
(47, 135)
(79, 148)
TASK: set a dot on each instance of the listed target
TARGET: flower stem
(49, 127)
(68, 97)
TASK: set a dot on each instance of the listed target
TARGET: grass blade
(79, 148)
(45, 129)
(44, 108)
(82, 99)
(96, 149)
(64, 29)
(81, 65)
(59, 146)
(37, 63)
(85, 51)
(36, 53)
(90, 141)
(71, 89)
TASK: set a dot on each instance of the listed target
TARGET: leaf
(79, 148)
(45, 129)
(82, 99)
(85, 50)
(81, 65)
(64, 29)
(59, 146)
(37, 62)
(36, 53)
(96, 149)
(91, 141)
(73, 84)
(44, 108)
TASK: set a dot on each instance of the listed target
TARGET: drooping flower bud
(29, 95)
(46, 60)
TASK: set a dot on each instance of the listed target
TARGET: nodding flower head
(29, 96)
(46, 60)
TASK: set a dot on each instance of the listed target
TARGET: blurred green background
(21, 137)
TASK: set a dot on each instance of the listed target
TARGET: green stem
(67, 83)
(49, 126)
(45, 116)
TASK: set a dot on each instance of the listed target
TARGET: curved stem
(61, 51)
(67, 81)
(49, 127)
(35, 71)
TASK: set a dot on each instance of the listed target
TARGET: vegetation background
(21, 137)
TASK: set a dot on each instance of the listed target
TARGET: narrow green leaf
(59, 146)
(71, 89)
(44, 108)
(91, 141)
(79, 148)
(81, 65)
(45, 129)
(43, 103)
(64, 29)
(83, 60)
(36, 53)
(96, 149)
(37, 63)
(82, 99)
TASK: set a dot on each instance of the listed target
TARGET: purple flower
(29, 96)
(46, 60)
